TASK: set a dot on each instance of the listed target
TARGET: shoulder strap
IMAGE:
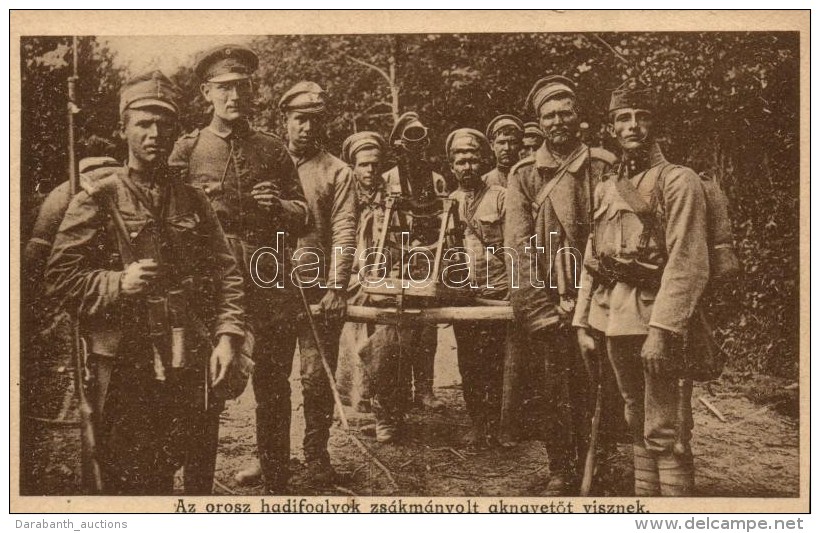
(651, 224)
(545, 191)
(106, 202)
(630, 195)
(470, 215)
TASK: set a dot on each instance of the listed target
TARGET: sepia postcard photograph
(409, 261)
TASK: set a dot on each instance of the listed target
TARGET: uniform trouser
(585, 393)
(563, 404)
(481, 348)
(316, 389)
(658, 409)
(423, 362)
(147, 429)
(273, 355)
(387, 358)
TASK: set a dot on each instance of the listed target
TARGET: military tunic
(147, 428)
(329, 187)
(625, 311)
(482, 214)
(547, 224)
(496, 177)
(226, 165)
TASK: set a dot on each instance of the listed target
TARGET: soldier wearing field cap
(481, 345)
(253, 186)
(365, 152)
(547, 224)
(504, 133)
(132, 244)
(646, 267)
(532, 140)
(323, 261)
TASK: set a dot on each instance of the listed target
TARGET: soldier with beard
(547, 224)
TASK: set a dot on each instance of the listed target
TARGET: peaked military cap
(305, 96)
(634, 95)
(466, 139)
(150, 89)
(532, 129)
(503, 121)
(361, 141)
(547, 88)
(227, 62)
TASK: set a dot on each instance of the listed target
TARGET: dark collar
(642, 161)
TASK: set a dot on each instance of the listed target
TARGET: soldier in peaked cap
(548, 196)
(533, 139)
(331, 194)
(152, 408)
(648, 258)
(504, 133)
(253, 186)
(481, 345)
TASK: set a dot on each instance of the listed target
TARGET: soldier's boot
(250, 475)
(476, 436)
(318, 410)
(320, 473)
(388, 420)
(273, 444)
(562, 479)
(423, 366)
(676, 474)
(647, 482)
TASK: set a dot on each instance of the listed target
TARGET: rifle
(91, 475)
(596, 373)
(589, 463)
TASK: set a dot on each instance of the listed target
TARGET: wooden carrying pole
(430, 315)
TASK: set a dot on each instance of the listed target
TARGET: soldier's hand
(657, 356)
(586, 344)
(138, 276)
(266, 194)
(566, 308)
(333, 305)
(221, 359)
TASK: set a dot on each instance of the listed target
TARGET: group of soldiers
(165, 242)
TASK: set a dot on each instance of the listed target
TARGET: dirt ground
(753, 453)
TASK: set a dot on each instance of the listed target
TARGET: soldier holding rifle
(547, 223)
(646, 266)
(141, 251)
